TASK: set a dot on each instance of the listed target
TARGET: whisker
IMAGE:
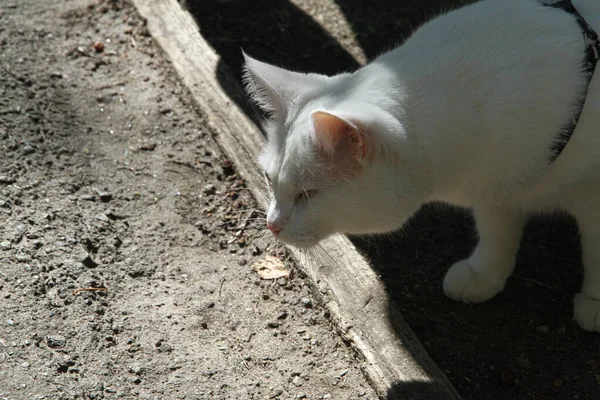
(257, 241)
(306, 195)
(309, 257)
(306, 257)
(268, 200)
(267, 235)
(302, 257)
(324, 257)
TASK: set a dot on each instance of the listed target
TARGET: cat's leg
(481, 276)
(587, 303)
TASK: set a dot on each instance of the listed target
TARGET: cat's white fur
(464, 112)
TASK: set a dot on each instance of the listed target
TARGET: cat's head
(328, 156)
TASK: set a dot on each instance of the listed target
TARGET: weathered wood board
(396, 363)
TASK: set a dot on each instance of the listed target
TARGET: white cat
(466, 111)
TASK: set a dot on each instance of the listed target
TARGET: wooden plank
(396, 363)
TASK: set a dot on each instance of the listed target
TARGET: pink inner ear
(331, 131)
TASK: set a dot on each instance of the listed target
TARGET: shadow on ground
(522, 344)
(279, 32)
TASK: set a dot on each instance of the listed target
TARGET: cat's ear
(334, 133)
(275, 89)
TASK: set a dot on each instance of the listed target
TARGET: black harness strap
(591, 59)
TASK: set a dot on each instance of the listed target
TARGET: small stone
(102, 217)
(558, 382)
(136, 380)
(88, 197)
(204, 325)
(117, 328)
(344, 372)
(210, 373)
(23, 257)
(25, 365)
(10, 322)
(165, 348)
(6, 180)
(104, 195)
(523, 360)
(136, 369)
(110, 339)
(63, 366)
(209, 190)
(56, 341)
(4, 245)
(115, 215)
(89, 262)
(297, 381)
(28, 149)
(56, 74)
(273, 325)
(543, 329)
(148, 147)
(283, 315)
(98, 46)
(306, 302)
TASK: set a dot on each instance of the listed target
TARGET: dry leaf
(270, 268)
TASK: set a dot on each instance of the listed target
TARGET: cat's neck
(418, 96)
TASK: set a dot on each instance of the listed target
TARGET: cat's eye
(305, 195)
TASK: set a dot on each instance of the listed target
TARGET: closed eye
(305, 195)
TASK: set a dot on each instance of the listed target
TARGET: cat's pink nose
(274, 228)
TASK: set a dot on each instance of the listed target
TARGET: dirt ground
(109, 179)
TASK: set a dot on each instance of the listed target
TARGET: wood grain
(396, 364)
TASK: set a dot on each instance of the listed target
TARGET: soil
(524, 343)
(127, 239)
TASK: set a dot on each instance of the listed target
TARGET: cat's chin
(303, 244)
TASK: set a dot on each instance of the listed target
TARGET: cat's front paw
(587, 313)
(463, 283)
